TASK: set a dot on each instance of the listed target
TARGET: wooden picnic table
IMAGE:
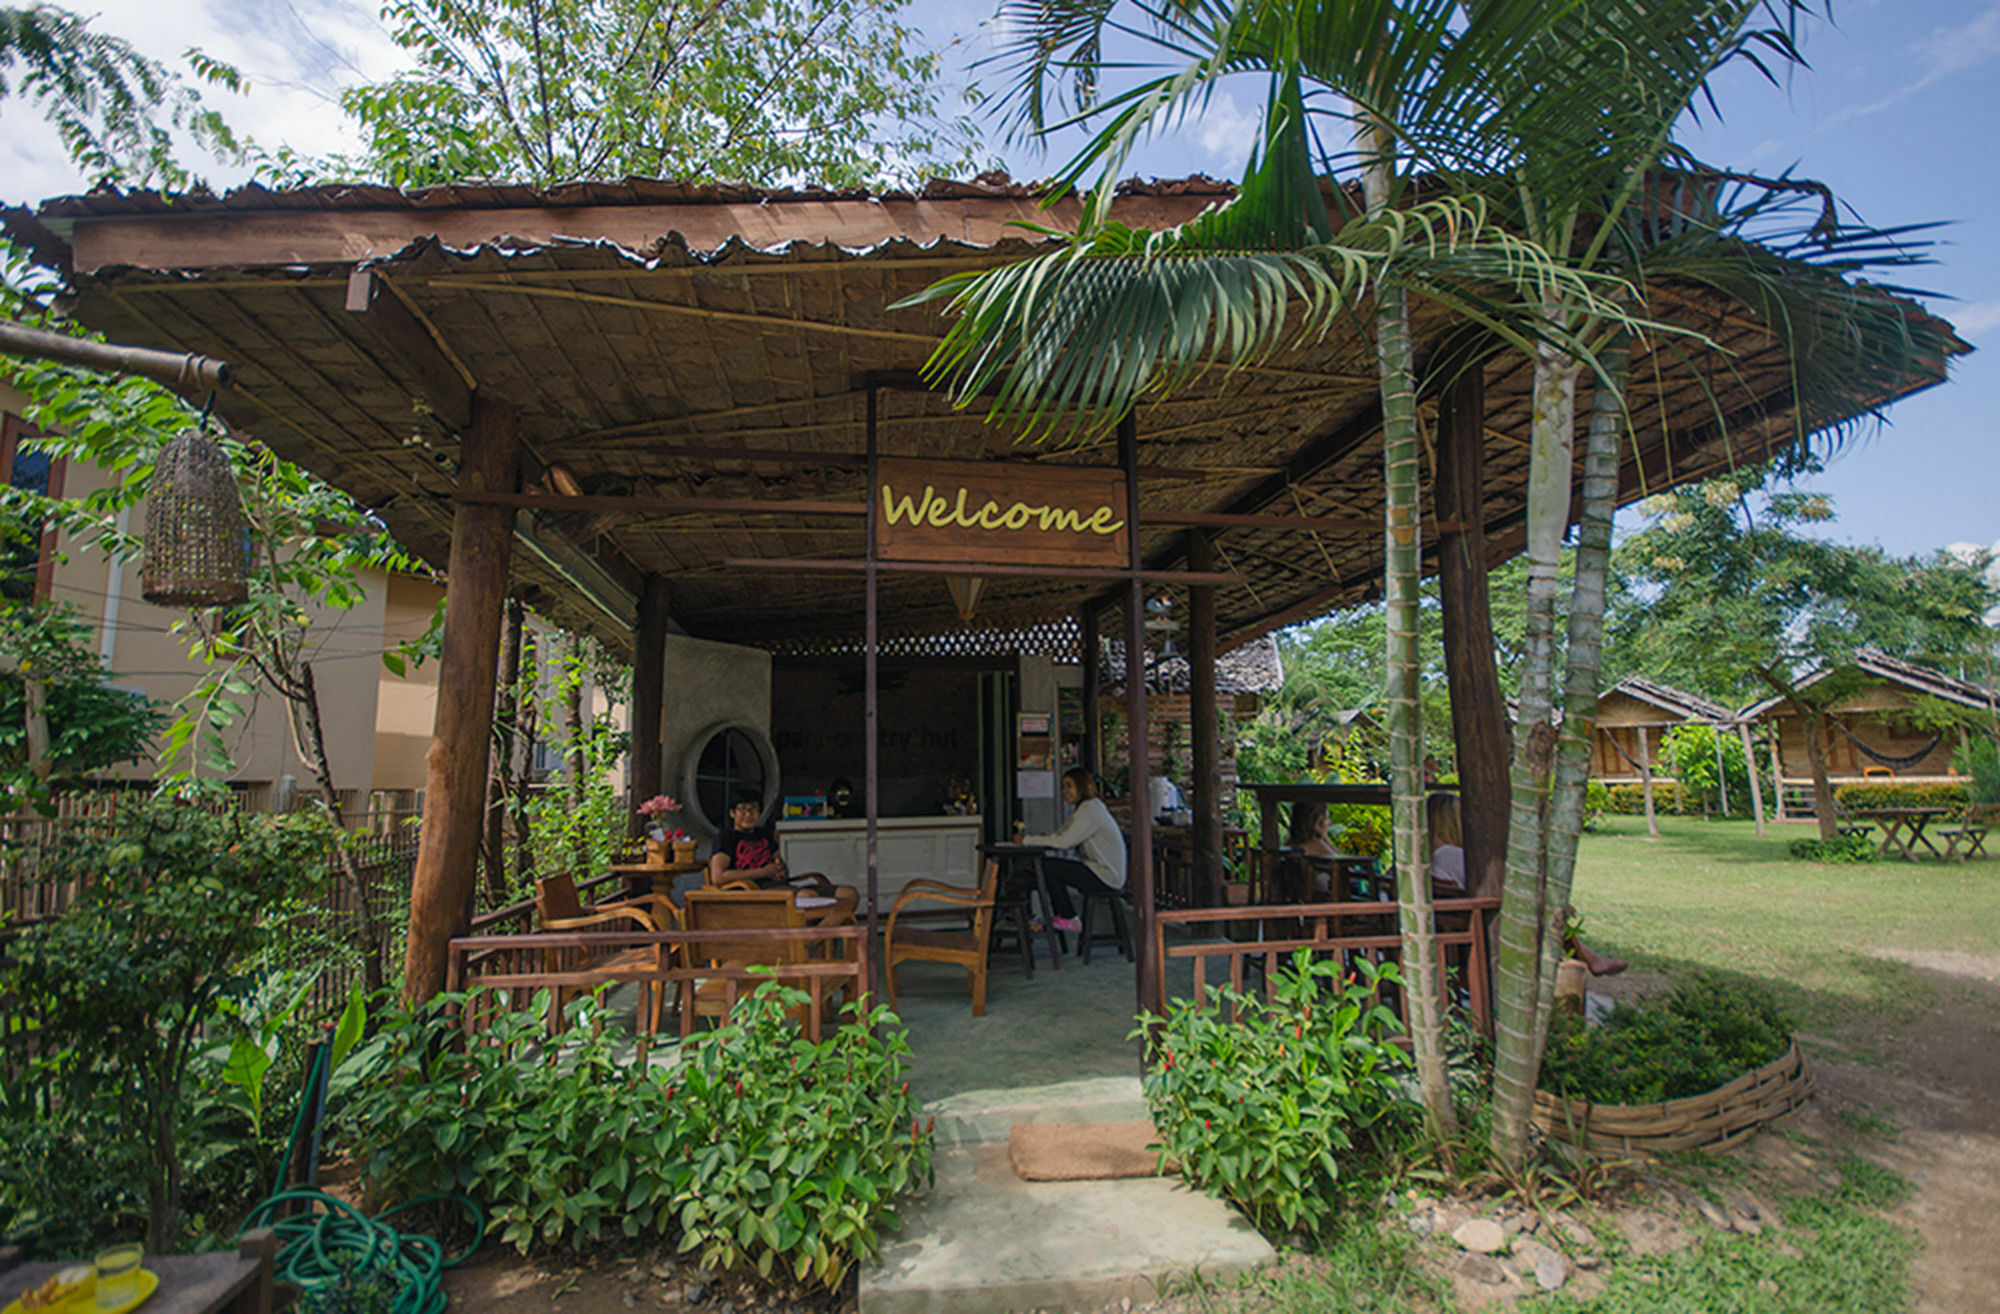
(1903, 828)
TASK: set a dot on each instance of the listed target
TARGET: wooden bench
(1973, 825)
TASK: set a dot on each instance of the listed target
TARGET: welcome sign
(973, 512)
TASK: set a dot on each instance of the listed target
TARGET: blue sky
(1890, 114)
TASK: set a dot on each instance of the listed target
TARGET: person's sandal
(1070, 924)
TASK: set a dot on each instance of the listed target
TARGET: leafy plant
(1263, 1110)
(58, 717)
(576, 823)
(793, 1152)
(1844, 849)
(1705, 1034)
(177, 903)
(1979, 759)
(760, 1148)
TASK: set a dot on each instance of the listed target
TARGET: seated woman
(1447, 845)
(1307, 838)
(746, 851)
(1094, 835)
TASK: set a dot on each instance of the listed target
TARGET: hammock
(1883, 759)
(1643, 768)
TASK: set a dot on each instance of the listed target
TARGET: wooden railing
(515, 968)
(1346, 930)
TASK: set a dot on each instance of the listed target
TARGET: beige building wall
(377, 724)
(140, 646)
(406, 705)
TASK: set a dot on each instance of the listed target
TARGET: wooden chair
(558, 909)
(1970, 831)
(740, 906)
(967, 949)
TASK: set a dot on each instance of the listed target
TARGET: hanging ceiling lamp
(965, 592)
(195, 548)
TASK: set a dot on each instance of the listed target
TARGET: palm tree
(1556, 116)
(1113, 311)
(1621, 199)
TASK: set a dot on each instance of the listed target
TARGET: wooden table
(662, 877)
(1010, 854)
(222, 1282)
(1903, 828)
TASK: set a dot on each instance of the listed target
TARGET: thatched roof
(1677, 704)
(717, 343)
(1889, 670)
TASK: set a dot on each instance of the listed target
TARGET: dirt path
(1941, 1085)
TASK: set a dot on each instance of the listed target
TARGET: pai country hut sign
(975, 512)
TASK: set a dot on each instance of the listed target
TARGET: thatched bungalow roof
(1892, 671)
(679, 350)
(1663, 704)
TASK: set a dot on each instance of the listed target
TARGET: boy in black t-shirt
(746, 851)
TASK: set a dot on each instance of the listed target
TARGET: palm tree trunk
(1583, 660)
(1400, 446)
(1525, 914)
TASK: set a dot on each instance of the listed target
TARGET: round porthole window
(726, 757)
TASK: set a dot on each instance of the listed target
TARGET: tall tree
(1741, 596)
(115, 109)
(835, 92)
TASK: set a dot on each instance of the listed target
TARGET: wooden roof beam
(439, 382)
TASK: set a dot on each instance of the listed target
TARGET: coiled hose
(324, 1240)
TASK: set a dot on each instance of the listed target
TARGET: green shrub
(760, 1147)
(1842, 849)
(1596, 799)
(1705, 1034)
(178, 913)
(1630, 800)
(1890, 795)
(1261, 1111)
(1979, 759)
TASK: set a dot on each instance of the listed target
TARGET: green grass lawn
(1711, 894)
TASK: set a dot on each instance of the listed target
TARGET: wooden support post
(1778, 772)
(1756, 786)
(1646, 779)
(1478, 713)
(871, 653)
(649, 657)
(1203, 731)
(455, 772)
(1138, 789)
(1093, 730)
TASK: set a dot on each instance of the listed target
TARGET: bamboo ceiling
(670, 342)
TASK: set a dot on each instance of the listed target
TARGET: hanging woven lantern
(195, 548)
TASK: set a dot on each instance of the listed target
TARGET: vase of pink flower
(661, 838)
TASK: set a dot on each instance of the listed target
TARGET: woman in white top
(1094, 836)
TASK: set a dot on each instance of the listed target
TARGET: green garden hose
(326, 1240)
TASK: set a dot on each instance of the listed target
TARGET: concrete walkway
(983, 1240)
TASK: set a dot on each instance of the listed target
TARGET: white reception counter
(907, 848)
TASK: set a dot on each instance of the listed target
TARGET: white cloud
(1226, 131)
(1973, 318)
(1939, 54)
(296, 54)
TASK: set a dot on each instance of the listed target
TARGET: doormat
(1082, 1151)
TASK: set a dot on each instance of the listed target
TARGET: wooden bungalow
(1872, 735)
(659, 409)
(1633, 717)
